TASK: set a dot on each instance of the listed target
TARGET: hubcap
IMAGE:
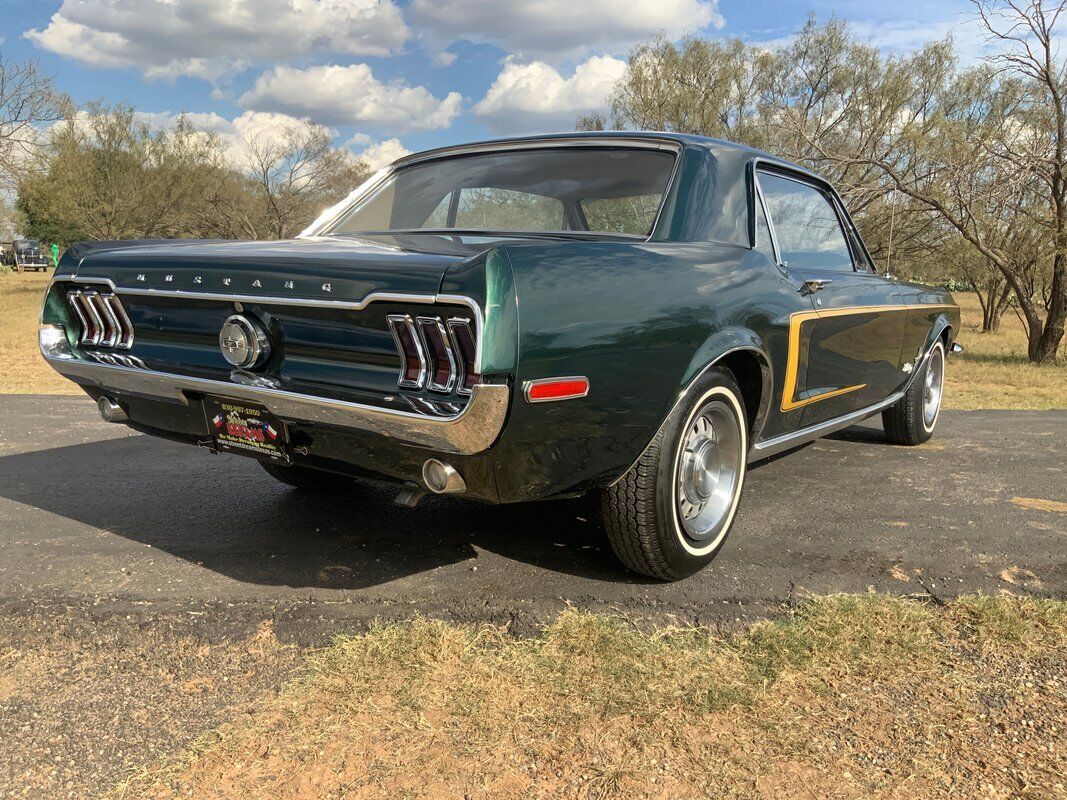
(935, 378)
(709, 471)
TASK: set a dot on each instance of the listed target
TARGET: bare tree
(987, 151)
(297, 174)
(28, 101)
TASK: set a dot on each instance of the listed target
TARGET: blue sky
(395, 75)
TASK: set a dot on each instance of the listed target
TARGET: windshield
(27, 244)
(613, 191)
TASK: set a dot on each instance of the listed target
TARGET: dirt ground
(845, 697)
(88, 697)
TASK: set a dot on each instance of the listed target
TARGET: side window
(763, 232)
(806, 226)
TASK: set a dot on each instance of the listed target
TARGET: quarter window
(806, 225)
(763, 232)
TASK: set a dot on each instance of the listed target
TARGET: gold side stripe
(792, 365)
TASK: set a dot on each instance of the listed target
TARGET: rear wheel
(912, 419)
(305, 478)
(670, 513)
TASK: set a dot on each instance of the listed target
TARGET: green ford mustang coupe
(636, 316)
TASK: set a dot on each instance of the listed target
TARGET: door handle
(814, 285)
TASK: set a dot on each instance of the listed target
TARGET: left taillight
(102, 319)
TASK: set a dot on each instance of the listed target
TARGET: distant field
(992, 373)
(24, 371)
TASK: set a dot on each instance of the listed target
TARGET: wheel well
(748, 372)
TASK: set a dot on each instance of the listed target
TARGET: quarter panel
(640, 321)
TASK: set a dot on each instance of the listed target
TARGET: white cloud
(377, 154)
(902, 36)
(340, 95)
(535, 97)
(552, 29)
(208, 38)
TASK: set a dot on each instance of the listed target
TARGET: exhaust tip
(442, 478)
(110, 411)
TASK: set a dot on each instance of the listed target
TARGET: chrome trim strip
(471, 430)
(528, 385)
(396, 320)
(779, 444)
(347, 305)
(424, 323)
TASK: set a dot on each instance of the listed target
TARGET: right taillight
(463, 339)
(437, 355)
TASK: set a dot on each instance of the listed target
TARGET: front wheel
(912, 419)
(670, 513)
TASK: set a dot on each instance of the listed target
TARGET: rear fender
(719, 347)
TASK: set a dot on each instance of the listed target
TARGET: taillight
(413, 368)
(437, 355)
(103, 320)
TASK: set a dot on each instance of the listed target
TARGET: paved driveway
(91, 513)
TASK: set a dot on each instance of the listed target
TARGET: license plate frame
(247, 429)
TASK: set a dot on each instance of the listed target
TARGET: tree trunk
(1045, 345)
(996, 310)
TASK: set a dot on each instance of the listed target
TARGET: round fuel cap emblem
(243, 343)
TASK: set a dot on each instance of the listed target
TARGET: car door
(844, 354)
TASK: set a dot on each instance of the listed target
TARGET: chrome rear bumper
(472, 430)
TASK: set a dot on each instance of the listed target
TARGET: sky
(392, 76)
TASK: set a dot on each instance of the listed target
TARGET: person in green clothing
(55, 255)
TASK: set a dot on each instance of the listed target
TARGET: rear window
(608, 190)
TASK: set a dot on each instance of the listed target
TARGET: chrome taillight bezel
(436, 354)
(102, 319)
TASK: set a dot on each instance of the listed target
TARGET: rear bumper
(470, 431)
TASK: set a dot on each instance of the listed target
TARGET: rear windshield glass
(614, 191)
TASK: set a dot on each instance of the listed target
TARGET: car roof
(684, 139)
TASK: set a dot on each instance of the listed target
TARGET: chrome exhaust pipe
(110, 411)
(442, 478)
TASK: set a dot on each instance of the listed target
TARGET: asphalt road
(94, 515)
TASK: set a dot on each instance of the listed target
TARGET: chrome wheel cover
(934, 387)
(709, 471)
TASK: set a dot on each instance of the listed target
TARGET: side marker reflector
(550, 389)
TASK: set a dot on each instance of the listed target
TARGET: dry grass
(845, 697)
(24, 371)
(992, 373)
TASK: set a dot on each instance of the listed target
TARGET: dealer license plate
(245, 428)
